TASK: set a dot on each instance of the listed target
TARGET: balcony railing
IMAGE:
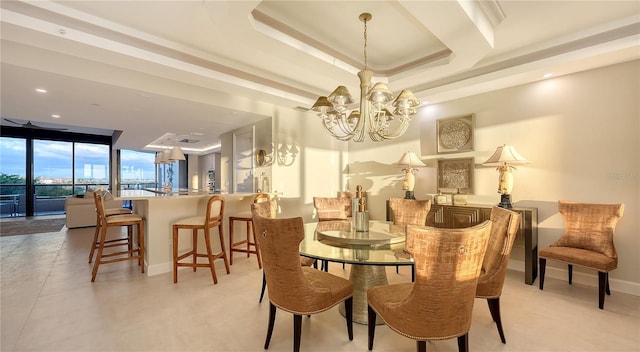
(48, 198)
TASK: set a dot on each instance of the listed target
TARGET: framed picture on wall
(455, 134)
(456, 175)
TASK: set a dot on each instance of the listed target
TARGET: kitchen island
(161, 209)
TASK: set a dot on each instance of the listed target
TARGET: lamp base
(409, 195)
(505, 201)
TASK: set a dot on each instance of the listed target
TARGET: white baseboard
(629, 287)
(157, 269)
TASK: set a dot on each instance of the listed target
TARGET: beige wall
(581, 133)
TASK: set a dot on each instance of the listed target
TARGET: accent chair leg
(264, 284)
(463, 343)
(602, 283)
(494, 308)
(607, 289)
(297, 331)
(422, 346)
(543, 266)
(570, 274)
(371, 326)
(348, 309)
(272, 320)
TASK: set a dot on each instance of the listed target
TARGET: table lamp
(410, 161)
(505, 158)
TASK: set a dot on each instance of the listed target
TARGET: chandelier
(345, 120)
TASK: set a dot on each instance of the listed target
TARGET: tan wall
(580, 131)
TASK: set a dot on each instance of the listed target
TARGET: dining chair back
(332, 208)
(293, 288)
(409, 211)
(438, 305)
(587, 241)
(504, 228)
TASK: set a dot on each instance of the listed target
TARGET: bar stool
(248, 220)
(127, 220)
(114, 242)
(212, 218)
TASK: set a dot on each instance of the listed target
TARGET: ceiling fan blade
(31, 125)
(17, 123)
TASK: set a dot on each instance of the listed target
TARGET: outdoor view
(62, 169)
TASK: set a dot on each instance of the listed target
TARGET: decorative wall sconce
(287, 154)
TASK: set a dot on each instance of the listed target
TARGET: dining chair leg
(264, 284)
(463, 343)
(348, 310)
(494, 308)
(297, 331)
(570, 274)
(543, 266)
(602, 283)
(422, 346)
(371, 326)
(272, 320)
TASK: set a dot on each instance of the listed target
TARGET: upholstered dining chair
(332, 208)
(211, 219)
(409, 212)
(127, 220)
(329, 209)
(438, 305)
(293, 288)
(587, 241)
(269, 210)
(504, 227)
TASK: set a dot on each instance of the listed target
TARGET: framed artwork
(455, 134)
(456, 175)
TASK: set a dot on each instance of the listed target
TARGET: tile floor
(49, 304)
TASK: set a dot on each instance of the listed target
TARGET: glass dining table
(367, 252)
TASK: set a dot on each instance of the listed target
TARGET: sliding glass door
(13, 176)
(52, 175)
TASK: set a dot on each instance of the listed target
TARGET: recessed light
(547, 75)
(41, 90)
(55, 116)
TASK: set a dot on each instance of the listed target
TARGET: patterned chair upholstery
(587, 241)
(438, 305)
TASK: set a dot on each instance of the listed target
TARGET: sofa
(81, 211)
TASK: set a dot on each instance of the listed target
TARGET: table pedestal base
(363, 278)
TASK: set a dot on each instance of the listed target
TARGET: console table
(460, 216)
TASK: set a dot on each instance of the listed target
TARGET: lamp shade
(410, 159)
(506, 154)
(165, 156)
(176, 154)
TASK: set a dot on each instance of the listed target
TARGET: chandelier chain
(365, 44)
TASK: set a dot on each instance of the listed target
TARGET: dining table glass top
(337, 241)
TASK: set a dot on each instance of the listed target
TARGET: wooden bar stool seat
(212, 218)
(250, 241)
(128, 220)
